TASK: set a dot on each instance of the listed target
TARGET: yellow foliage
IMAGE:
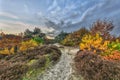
(12, 50)
(93, 43)
(28, 45)
(5, 51)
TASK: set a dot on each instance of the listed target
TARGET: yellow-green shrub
(115, 45)
(5, 51)
(94, 43)
(28, 45)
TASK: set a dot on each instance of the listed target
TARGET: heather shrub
(94, 67)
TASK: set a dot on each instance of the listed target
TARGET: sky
(53, 16)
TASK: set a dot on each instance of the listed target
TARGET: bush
(93, 67)
(27, 66)
(60, 37)
(28, 45)
(114, 56)
(94, 43)
(114, 45)
(5, 51)
(38, 40)
(12, 71)
(102, 47)
(74, 38)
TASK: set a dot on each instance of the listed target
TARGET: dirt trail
(63, 69)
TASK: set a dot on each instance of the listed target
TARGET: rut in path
(62, 70)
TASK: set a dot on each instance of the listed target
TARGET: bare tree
(103, 28)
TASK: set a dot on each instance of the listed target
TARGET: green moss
(33, 73)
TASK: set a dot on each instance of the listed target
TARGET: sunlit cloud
(4, 14)
(17, 27)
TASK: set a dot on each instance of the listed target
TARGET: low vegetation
(28, 64)
(93, 67)
(97, 59)
(74, 38)
(99, 55)
(25, 56)
(11, 44)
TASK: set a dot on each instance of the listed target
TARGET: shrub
(93, 67)
(38, 40)
(74, 38)
(60, 37)
(11, 50)
(94, 43)
(28, 45)
(114, 45)
(114, 56)
(68, 41)
(5, 51)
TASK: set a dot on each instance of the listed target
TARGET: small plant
(12, 50)
(5, 51)
(115, 45)
(38, 40)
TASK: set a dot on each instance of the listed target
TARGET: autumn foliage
(115, 55)
(100, 41)
(11, 43)
(28, 45)
(99, 54)
(74, 38)
(9, 40)
(94, 43)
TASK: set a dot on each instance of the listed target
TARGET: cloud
(54, 4)
(4, 14)
(93, 9)
(17, 26)
(87, 13)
